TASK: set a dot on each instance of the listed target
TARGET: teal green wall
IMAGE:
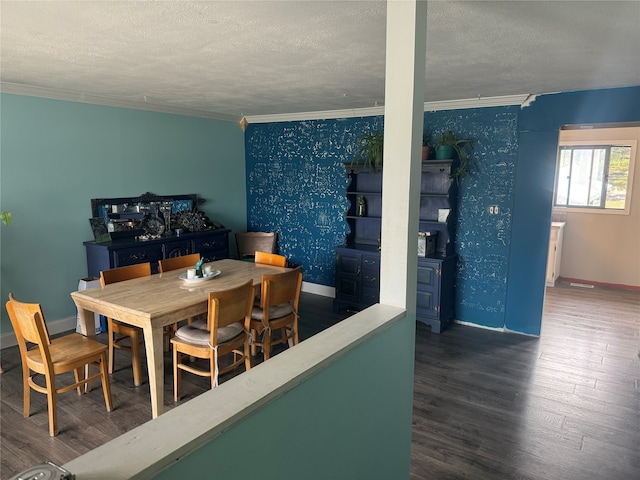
(359, 425)
(55, 156)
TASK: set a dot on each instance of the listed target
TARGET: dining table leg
(86, 323)
(153, 341)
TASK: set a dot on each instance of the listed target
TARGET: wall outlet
(494, 210)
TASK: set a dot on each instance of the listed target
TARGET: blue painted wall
(500, 279)
(483, 240)
(57, 155)
(538, 138)
(296, 186)
(283, 161)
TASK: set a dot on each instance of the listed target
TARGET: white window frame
(600, 136)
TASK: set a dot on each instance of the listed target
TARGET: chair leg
(26, 400)
(254, 349)
(296, 340)
(176, 374)
(266, 344)
(292, 334)
(135, 359)
(78, 374)
(247, 357)
(52, 405)
(111, 347)
(212, 369)
(106, 387)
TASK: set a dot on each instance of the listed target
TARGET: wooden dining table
(158, 300)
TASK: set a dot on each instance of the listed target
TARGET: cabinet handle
(208, 244)
(370, 279)
(140, 256)
(438, 271)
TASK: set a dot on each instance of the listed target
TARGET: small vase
(362, 207)
(425, 153)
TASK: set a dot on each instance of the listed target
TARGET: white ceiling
(228, 59)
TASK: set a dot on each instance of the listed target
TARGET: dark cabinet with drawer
(435, 302)
(357, 278)
(212, 245)
(358, 260)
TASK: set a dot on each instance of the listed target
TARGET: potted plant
(369, 152)
(448, 145)
(426, 145)
(6, 218)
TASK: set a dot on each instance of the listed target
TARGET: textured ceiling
(227, 59)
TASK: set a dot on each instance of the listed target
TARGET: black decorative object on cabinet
(358, 260)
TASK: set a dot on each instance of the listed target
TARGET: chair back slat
(270, 259)
(230, 306)
(28, 321)
(120, 274)
(279, 288)
(249, 243)
(176, 263)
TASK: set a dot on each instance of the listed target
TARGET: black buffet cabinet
(212, 245)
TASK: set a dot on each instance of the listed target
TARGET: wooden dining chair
(250, 242)
(225, 332)
(168, 265)
(118, 332)
(278, 311)
(176, 263)
(52, 357)
(270, 259)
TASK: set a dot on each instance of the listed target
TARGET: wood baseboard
(635, 288)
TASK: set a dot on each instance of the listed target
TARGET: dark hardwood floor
(486, 404)
(563, 406)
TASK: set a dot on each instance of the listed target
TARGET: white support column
(403, 122)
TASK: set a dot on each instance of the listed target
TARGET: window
(593, 176)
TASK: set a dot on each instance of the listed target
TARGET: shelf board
(364, 218)
(363, 193)
(434, 220)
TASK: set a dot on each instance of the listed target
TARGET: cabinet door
(348, 288)
(176, 249)
(213, 247)
(428, 295)
(348, 263)
(348, 270)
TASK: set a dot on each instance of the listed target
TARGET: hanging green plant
(447, 145)
(369, 152)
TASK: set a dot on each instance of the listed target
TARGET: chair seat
(198, 334)
(66, 352)
(275, 312)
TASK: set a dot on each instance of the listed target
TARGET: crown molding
(480, 102)
(523, 100)
(31, 91)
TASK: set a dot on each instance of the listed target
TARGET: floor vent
(581, 285)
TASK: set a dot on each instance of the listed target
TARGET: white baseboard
(69, 323)
(319, 289)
